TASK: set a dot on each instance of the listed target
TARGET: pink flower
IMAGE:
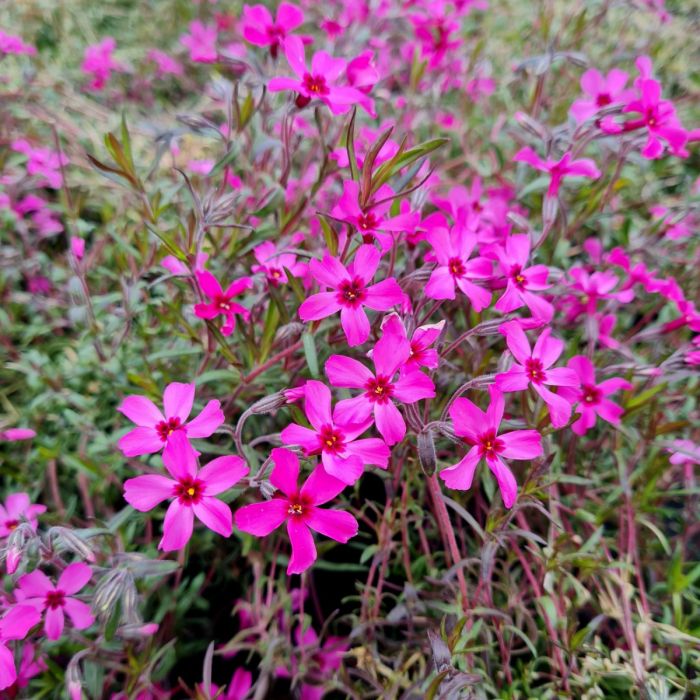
(380, 388)
(165, 64)
(558, 169)
(77, 247)
(523, 281)
(335, 438)
(299, 507)
(29, 666)
(9, 43)
(273, 264)
(37, 590)
(221, 303)
(240, 684)
(156, 429)
(18, 509)
(601, 91)
(421, 354)
(15, 434)
(201, 41)
(590, 289)
(318, 82)
(15, 624)
(44, 163)
(371, 221)
(177, 267)
(481, 431)
(191, 491)
(98, 62)
(535, 369)
(260, 29)
(363, 75)
(455, 269)
(591, 397)
(350, 292)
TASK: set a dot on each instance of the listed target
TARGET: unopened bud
(532, 126)
(550, 207)
(269, 404)
(17, 543)
(426, 452)
(290, 331)
(69, 539)
(138, 631)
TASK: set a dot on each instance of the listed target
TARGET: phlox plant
(350, 350)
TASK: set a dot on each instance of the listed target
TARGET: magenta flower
(334, 438)
(99, 63)
(11, 44)
(192, 491)
(522, 281)
(165, 64)
(558, 169)
(36, 589)
(272, 264)
(240, 684)
(15, 624)
(455, 269)
(481, 431)
(536, 369)
(421, 354)
(601, 91)
(17, 434)
(155, 429)
(221, 303)
(381, 387)
(260, 29)
(201, 42)
(591, 397)
(590, 289)
(318, 82)
(350, 292)
(18, 509)
(299, 507)
(372, 222)
(46, 165)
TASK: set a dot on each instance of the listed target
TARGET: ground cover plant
(350, 349)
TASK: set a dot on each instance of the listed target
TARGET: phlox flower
(155, 429)
(35, 589)
(589, 289)
(16, 434)
(273, 264)
(9, 43)
(18, 509)
(522, 281)
(300, 509)
(351, 292)
(319, 82)
(592, 397)
(380, 388)
(14, 625)
(600, 92)
(221, 303)
(99, 63)
(558, 169)
(30, 665)
(454, 268)
(165, 64)
(481, 431)
(372, 222)
(43, 163)
(335, 438)
(190, 489)
(201, 42)
(421, 354)
(363, 75)
(260, 29)
(239, 685)
(534, 368)
(690, 317)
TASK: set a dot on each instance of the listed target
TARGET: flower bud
(426, 452)
(70, 540)
(269, 404)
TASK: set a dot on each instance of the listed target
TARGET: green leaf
(329, 235)
(272, 320)
(310, 352)
(350, 146)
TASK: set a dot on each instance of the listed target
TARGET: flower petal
(320, 487)
(295, 434)
(303, 547)
(53, 623)
(366, 262)
(347, 373)
(210, 418)
(79, 613)
(18, 620)
(390, 422)
(461, 475)
(215, 514)
(177, 527)
(179, 457)
(140, 410)
(222, 473)
(145, 492)
(355, 325)
(383, 295)
(467, 418)
(74, 578)
(521, 444)
(317, 403)
(507, 484)
(177, 400)
(35, 585)
(260, 519)
(344, 469)
(336, 524)
(140, 441)
(413, 385)
(319, 306)
(372, 451)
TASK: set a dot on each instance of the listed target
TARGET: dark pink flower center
(456, 267)
(298, 506)
(516, 274)
(55, 599)
(379, 389)
(351, 292)
(534, 370)
(489, 445)
(603, 99)
(331, 439)
(223, 303)
(11, 524)
(315, 84)
(367, 222)
(189, 491)
(167, 427)
(590, 395)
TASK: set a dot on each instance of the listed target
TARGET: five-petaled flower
(36, 589)
(18, 509)
(481, 431)
(601, 91)
(351, 292)
(222, 303)
(190, 489)
(591, 397)
(535, 369)
(155, 429)
(300, 508)
(380, 388)
(260, 29)
(335, 439)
